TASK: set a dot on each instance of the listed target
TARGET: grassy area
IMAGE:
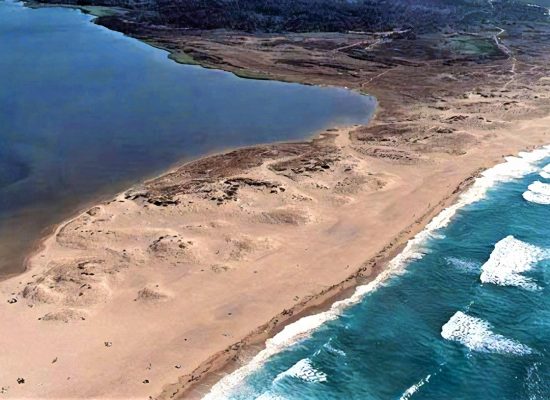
(101, 11)
(246, 74)
(182, 58)
(472, 46)
(96, 11)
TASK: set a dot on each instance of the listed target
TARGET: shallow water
(85, 111)
(467, 318)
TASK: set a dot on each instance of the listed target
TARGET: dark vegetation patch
(318, 15)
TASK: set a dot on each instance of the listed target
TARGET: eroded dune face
(78, 282)
(220, 214)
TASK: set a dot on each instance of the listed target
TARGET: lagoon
(86, 112)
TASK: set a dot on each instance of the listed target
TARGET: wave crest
(512, 168)
(476, 335)
(538, 198)
(509, 259)
(538, 192)
(463, 265)
(545, 173)
(539, 187)
(304, 371)
(414, 388)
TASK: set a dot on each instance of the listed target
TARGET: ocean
(462, 313)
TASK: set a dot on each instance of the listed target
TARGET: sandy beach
(133, 297)
(157, 291)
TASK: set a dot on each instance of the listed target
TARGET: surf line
(513, 168)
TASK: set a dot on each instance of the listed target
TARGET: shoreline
(218, 384)
(210, 371)
(50, 230)
(348, 293)
(220, 362)
(223, 363)
(396, 175)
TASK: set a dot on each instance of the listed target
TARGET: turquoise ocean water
(464, 314)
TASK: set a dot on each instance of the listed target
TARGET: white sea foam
(270, 396)
(414, 388)
(334, 350)
(535, 155)
(536, 383)
(512, 168)
(539, 187)
(304, 371)
(477, 335)
(545, 175)
(538, 198)
(538, 192)
(509, 259)
(463, 265)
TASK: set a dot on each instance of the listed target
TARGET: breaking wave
(476, 335)
(539, 187)
(509, 259)
(538, 198)
(463, 265)
(304, 371)
(414, 388)
(513, 168)
(270, 396)
(331, 349)
(538, 192)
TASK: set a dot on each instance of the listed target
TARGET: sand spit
(148, 293)
(157, 291)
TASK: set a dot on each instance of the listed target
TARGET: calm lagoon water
(468, 318)
(85, 112)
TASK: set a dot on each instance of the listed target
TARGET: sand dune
(133, 297)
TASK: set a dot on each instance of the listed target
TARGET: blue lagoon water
(465, 315)
(85, 112)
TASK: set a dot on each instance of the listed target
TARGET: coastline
(388, 263)
(37, 245)
(224, 351)
(223, 363)
(51, 230)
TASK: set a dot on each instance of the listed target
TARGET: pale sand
(258, 262)
(130, 297)
(219, 272)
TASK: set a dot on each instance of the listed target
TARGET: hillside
(320, 15)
